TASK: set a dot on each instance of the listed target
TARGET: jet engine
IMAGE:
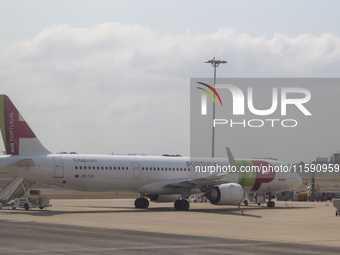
(225, 194)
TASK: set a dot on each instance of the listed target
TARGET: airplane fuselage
(134, 173)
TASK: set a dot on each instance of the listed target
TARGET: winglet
(18, 137)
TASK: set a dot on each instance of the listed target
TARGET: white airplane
(162, 179)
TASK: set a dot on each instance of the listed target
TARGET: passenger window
(76, 167)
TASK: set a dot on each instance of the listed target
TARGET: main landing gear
(142, 202)
(181, 205)
(270, 202)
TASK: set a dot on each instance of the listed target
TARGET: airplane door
(136, 170)
(58, 168)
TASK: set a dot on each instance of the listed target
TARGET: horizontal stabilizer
(27, 162)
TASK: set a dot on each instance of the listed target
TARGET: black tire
(26, 206)
(177, 205)
(245, 202)
(14, 208)
(41, 207)
(181, 205)
(144, 203)
(271, 204)
(138, 202)
(184, 205)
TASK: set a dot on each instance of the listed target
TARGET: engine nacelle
(226, 194)
(163, 198)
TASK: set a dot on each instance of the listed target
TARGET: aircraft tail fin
(18, 137)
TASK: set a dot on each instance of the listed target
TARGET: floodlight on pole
(214, 63)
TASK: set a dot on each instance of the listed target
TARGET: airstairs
(14, 189)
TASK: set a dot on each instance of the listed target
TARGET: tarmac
(114, 226)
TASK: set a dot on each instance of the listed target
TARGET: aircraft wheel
(245, 202)
(177, 205)
(141, 203)
(181, 205)
(144, 203)
(138, 203)
(26, 206)
(271, 204)
(41, 207)
(185, 205)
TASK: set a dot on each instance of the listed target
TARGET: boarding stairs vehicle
(28, 203)
(17, 188)
(14, 189)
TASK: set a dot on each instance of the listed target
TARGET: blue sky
(113, 76)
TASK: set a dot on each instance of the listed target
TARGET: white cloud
(125, 87)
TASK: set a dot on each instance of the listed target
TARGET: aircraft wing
(206, 181)
(176, 186)
(198, 182)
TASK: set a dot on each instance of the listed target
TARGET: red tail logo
(15, 127)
